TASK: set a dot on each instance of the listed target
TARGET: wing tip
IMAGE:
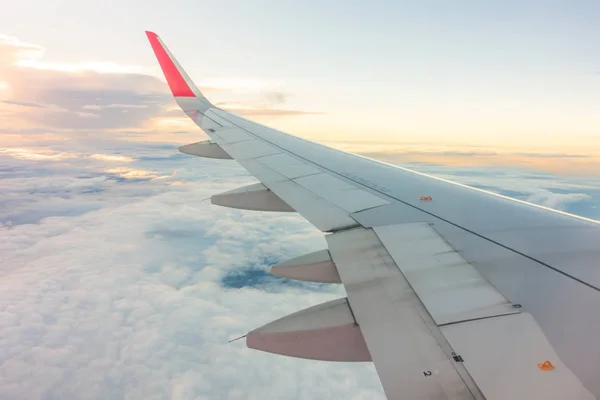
(179, 83)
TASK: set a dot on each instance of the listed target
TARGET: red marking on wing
(178, 85)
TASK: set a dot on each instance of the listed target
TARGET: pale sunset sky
(506, 77)
(118, 280)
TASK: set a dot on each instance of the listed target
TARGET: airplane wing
(452, 292)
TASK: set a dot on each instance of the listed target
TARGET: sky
(511, 73)
(118, 279)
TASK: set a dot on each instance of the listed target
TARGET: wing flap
(248, 149)
(288, 166)
(410, 354)
(340, 193)
(322, 214)
(449, 287)
(233, 135)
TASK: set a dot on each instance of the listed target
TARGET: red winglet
(176, 81)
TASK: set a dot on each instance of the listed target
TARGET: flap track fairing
(205, 149)
(326, 332)
(312, 267)
(253, 197)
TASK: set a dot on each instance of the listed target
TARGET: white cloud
(96, 66)
(557, 201)
(97, 107)
(31, 55)
(114, 282)
(132, 173)
(102, 95)
(30, 154)
(50, 155)
(126, 300)
(80, 95)
(13, 50)
(559, 192)
(112, 157)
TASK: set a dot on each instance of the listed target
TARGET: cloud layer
(104, 95)
(574, 194)
(575, 160)
(121, 286)
(119, 281)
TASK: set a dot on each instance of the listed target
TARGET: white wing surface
(452, 292)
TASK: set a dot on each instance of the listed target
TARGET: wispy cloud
(264, 104)
(108, 96)
(557, 201)
(575, 160)
(269, 112)
(112, 157)
(75, 96)
(125, 106)
(50, 155)
(23, 103)
(13, 50)
(29, 154)
(133, 173)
